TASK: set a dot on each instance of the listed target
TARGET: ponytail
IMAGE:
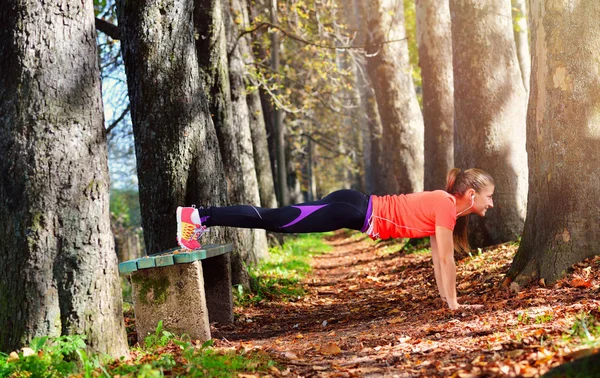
(457, 183)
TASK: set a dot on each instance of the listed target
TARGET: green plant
(545, 318)
(208, 362)
(523, 318)
(160, 338)
(478, 254)
(279, 277)
(586, 327)
(46, 357)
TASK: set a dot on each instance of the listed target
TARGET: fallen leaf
(331, 348)
(580, 283)
(398, 319)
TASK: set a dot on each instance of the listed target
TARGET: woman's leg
(340, 209)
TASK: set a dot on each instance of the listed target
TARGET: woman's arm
(447, 267)
(436, 267)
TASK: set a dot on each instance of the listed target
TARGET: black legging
(340, 209)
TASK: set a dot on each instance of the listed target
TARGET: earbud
(472, 203)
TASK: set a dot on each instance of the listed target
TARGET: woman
(439, 214)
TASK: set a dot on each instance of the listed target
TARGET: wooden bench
(184, 289)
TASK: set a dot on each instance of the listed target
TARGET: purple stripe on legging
(368, 215)
(304, 212)
(204, 219)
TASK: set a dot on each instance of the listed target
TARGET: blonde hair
(457, 183)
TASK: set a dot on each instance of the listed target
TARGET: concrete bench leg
(173, 294)
(217, 282)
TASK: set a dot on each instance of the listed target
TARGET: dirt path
(372, 313)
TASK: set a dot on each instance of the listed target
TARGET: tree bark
(258, 130)
(389, 70)
(177, 150)
(563, 132)
(238, 48)
(490, 107)
(278, 126)
(262, 161)
(221, 77)
(522, 40)
(58, 267)
(435, 59)
(266, 105)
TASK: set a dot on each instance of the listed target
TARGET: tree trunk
(58, 267)
(221, 77)
(262, 161)
(563, 131)
(489, 115)
(389, 70)
(177, 151)
(267, 111)
(366, 114)
(238, 48)
(522, 40)
(278, 126)
(435, 59)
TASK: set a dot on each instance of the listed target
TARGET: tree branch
(321, 45)
(108, 28)
(116, 121)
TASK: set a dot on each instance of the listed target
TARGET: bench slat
(146, 262)
(174, 256)
(164, 260)
(182, 258)
(128, 266)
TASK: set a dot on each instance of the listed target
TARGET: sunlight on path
(369, 312)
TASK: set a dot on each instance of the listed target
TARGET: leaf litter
(372, 310)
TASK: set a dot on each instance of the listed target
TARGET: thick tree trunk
(522, 40)
(211, 50)
(490, 107)
(221, 77)
(58, 267)
(435, 59)
(177, 151)
(563, 133)
(389, 70)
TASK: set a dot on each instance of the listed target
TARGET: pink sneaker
(188, 231)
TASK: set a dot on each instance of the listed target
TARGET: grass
(163, 354)
(585, 330)
(279, 277)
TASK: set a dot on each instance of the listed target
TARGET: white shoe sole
(179, 230)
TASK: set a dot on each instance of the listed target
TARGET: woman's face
(483, 200)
